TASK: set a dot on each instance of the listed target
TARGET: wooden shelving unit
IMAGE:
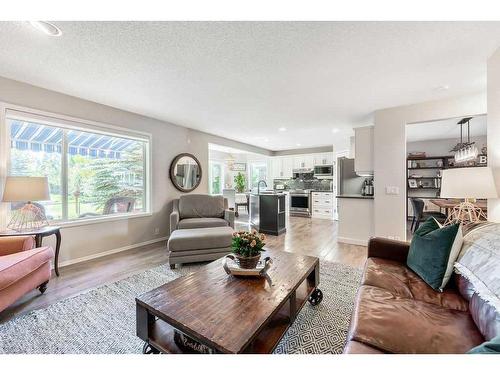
(429, 165)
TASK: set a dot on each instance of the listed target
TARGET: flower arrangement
(247, 247)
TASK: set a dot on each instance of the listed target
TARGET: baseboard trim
(352, 241)
(109, 252)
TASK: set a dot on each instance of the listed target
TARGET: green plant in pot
(247, 247)
(240, 182)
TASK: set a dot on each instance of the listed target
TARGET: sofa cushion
(402, 282)
(404, 325)
(10, 245)
(200, 238)
(201, 205)
(355, 347)
(202, 222)
(15, 266)
(433, 251)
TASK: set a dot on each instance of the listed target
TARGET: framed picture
(239, 167)
(412, 183)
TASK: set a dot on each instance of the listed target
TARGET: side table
(39, 234)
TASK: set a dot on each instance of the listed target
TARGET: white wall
(441, 147)
(494, 130)
(168, 140)
(390, 153)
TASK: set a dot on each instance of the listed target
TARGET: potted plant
(247, 247)
(239, 181)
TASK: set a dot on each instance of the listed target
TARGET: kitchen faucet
(258, 186)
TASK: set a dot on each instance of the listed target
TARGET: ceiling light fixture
(335, 130)
(298, 144)
(282, 129)
(465, 151)
(442, 88)
(46, 27)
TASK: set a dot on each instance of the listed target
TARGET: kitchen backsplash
(292, 184)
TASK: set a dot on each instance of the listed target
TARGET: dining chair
(420, 215)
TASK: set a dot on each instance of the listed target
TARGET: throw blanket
(479, 262)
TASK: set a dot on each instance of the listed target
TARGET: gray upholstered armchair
(200, 211)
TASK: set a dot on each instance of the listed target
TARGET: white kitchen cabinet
(363, 151)
(298, 162)
(287, 167)
(281, 167)
(303, 161)
(325, 158)
(276, 168)
(323, 204)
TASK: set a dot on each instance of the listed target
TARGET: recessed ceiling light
(266, 140)
(442, 88)
(46, 27)
(298, 144)
(282, 129)
(335, 130)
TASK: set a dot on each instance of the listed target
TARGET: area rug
(102, 320)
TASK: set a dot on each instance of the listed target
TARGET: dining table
(448, 204)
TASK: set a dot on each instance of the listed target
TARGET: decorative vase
(248, 262)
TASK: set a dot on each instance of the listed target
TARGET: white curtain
(4, 157)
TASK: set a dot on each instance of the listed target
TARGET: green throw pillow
(433, 252)
(488, 347)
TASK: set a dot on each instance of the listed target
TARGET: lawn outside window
(94, 172)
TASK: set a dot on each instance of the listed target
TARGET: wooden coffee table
(225, 313)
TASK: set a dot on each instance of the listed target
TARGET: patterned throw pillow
(479, 262)
(488, 347)
(433, 252)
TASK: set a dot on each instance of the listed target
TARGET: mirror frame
(172, 175)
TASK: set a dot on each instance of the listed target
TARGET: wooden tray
(232, 267)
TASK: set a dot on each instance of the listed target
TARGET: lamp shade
(24, 189)
(475, 182)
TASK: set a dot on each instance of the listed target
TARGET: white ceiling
(444, 129)
(244, 80)
(227, 150)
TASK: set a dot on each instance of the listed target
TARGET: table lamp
(468, 184)
(27, 189)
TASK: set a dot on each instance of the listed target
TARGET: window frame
(257, 163)
(220, 163)
(72, 123)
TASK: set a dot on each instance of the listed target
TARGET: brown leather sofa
(397, 312)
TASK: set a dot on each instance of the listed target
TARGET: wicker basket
(248, 262)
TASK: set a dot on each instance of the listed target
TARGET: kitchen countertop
(267, 193)
(355, 196)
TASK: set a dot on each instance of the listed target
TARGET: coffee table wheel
(148, 349)
(316, 297)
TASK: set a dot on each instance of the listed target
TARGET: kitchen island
(268, 212)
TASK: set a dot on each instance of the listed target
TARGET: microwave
(323, 171)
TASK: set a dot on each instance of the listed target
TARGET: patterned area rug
(102, 320)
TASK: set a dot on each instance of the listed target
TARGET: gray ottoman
(198, 244)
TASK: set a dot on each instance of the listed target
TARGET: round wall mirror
(185, 172)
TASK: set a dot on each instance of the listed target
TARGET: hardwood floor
(315, 237)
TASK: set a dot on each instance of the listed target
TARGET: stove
(300, 202)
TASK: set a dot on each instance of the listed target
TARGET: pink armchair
(22, 268)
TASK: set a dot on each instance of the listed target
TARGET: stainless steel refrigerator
(348, 182)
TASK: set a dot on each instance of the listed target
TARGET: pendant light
(465, 151)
